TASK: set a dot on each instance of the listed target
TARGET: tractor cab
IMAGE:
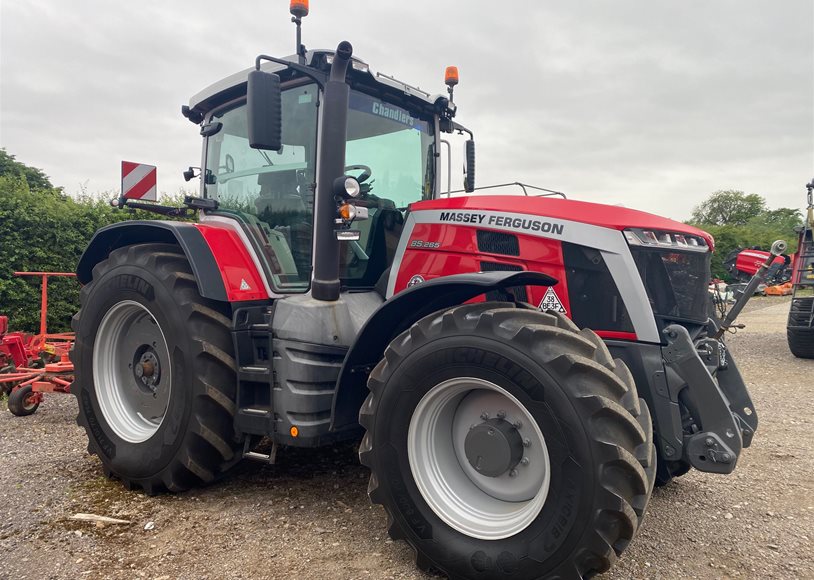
(391, 151)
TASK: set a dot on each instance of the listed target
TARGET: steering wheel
(364, 176)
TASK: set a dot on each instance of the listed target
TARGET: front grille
(676, 282)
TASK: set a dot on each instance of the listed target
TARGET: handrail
(523, 186)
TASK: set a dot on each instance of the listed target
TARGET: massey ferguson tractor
(743, 263)
(520, 370)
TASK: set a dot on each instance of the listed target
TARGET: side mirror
(264, 110)
(469, 182)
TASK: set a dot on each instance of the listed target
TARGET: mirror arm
(459, 127)
(316, 77)
(192, 204)
(153, 207)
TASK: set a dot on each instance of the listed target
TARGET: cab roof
(234, 85)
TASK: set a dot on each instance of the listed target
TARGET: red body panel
(240, 276)
(749, 261)
(434, 250)
(459, 252)
(12, 349)
(597, 214)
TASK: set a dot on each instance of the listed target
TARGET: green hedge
(43, 229)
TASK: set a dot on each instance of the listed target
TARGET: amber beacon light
(298, 8)
(451, 76)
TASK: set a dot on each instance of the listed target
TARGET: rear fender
(397, 314)
(215, 259)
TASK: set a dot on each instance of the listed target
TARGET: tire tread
(209, 447)
(625, 440)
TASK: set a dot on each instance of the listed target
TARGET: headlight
(346, 186)
(662, 239)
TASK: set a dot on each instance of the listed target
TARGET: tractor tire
(448, 404)
(155, 373)
(800, 338)
(19, 403)
(667, 471)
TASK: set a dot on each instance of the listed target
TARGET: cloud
(650, 104)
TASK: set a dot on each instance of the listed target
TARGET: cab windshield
(392, 153)
(389, 151)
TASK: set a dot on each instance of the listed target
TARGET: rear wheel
(800, 338)
(506, 441)
(155, 372)
(23, 401)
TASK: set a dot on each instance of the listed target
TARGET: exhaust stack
(334, 127)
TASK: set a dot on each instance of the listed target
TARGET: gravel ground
(309, 517)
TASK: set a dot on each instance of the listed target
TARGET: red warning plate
(139, 181)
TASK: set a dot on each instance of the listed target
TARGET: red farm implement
(31, 365)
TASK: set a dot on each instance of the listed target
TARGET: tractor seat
(278, 193)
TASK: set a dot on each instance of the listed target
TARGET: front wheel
(155, 372)
(506, 442)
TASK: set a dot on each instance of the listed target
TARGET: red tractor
(742, 264)
(329, 292)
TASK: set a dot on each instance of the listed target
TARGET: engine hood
(597, 214)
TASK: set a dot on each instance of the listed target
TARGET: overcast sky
(650, 104)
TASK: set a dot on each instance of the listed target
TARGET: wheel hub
(478, 458)
(147, 368)
(132, 371)
(494, 447)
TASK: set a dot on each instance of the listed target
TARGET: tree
(729, 208)
(10, 167)
(782, 219)
(737, 220)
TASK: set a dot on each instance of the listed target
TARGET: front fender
(186, 235)
(397, 314)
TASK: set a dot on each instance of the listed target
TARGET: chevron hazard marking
(139, 181)
(551, 301)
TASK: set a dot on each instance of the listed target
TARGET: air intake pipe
(333, 130)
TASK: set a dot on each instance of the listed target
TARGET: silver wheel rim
(131, 371)
(487, 508)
